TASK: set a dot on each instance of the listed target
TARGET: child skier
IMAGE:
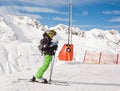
(47, 47)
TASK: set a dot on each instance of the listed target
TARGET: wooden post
(100, 57)
(85, 56)
(117, 58)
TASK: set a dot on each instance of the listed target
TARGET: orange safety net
(101, 58)
(91, 57)
(118, 59)
(108, 58)
(66, 53)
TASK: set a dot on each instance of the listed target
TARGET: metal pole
(51, 69)
(70, 20)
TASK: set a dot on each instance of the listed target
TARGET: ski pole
(51, 69)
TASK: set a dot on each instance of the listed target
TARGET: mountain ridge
(20, 36)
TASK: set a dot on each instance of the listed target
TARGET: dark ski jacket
(45, 45)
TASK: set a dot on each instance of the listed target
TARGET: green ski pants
(44, 67)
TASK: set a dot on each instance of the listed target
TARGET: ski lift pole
(69, 30)
(66, 53)
(70, 22)
(51, 69)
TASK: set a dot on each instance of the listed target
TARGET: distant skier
(48, 48)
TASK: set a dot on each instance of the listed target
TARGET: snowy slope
(20, 35)
(81, 77)
(95, 40)
(20, 57)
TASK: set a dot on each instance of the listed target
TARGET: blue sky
(86, 14)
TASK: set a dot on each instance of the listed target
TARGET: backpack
(41, 46)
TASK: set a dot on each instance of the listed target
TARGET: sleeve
(54, 45)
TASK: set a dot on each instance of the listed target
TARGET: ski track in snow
(81, 77)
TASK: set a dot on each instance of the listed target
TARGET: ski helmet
(51, 33)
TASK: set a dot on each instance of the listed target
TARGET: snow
(83, 77)
(20, 57)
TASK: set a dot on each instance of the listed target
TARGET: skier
(48, 50)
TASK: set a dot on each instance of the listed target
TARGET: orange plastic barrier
(66, 53)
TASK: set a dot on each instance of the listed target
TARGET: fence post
(117, 58)
(85, 56)
(100, 57)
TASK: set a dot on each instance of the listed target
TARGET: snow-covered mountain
(18, 38)
(20, 35)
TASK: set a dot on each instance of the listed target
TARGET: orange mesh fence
(91, 57)
(108, 58)
(102, 58)
(118, 59)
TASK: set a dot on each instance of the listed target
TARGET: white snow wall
(16, 57)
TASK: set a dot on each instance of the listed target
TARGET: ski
(53, 82)
(62, 83)
(28, 80)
